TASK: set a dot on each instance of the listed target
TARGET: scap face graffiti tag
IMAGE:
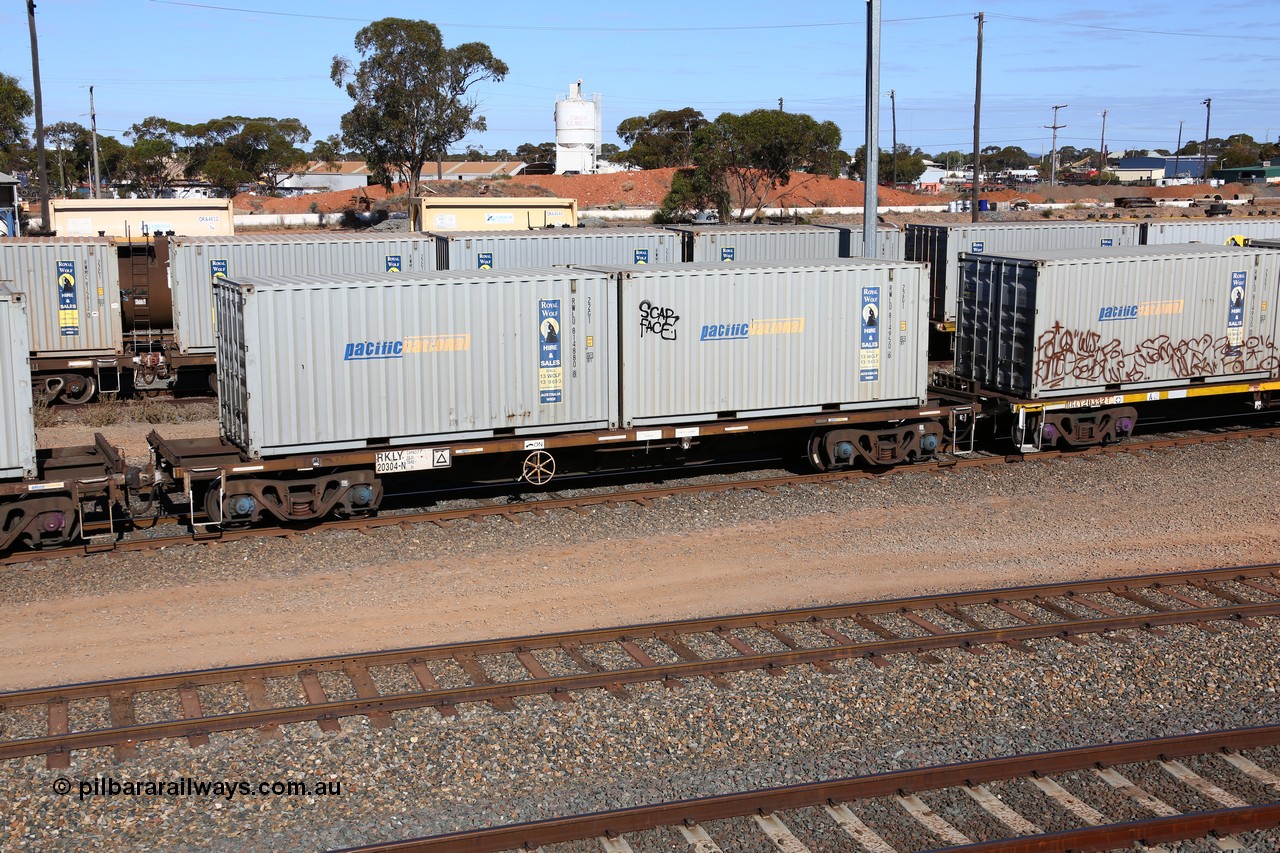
(656, 320)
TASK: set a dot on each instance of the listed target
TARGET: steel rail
(612, 498)
(706, 809)
(591, 636)
(63, 743)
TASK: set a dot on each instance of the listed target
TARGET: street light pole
(41, 166)
(1102, 153)
(1177, 155)
(1053, 151)
(977, 125)
(893, 112)
(1204, 149)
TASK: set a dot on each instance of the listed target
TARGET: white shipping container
(72, 289)
(17, 426)
(195, 261)
(940, 247)
(706, 341)
(738, 243)
(891, 243)
(470, 250)
(1159, 232)
(1087, 321)
(322, 363)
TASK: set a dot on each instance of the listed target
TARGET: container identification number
(419, 459)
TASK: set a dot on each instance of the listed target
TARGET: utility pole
(1102, 154)
(1177, 157)
(893, 111)
(1053, 150)
(977, 122)
(870, 197)
(1204, 149)
(93, 122)
(41, 170)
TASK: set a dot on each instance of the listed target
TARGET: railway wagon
(940, 247)
(72, 290)
(47, 497)
(1078, 338)
(194, 262)
(470, 250)
(1160, 232)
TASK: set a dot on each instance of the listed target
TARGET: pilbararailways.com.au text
(227, 789)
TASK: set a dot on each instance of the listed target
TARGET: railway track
(192, 705)
(1243, 796)
(548, 501)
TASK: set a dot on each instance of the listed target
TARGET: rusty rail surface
(664, 652)
(539, 506)
(690, 814)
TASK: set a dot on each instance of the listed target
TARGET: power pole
(41, 170)
(1177, 157)
(1053, 150)
(779, 104)
(893, 111)
(870, 197)
(1102, 154)
(1204, 149)
(93, 122)
(977, 122)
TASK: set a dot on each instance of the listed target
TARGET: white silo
(577, 132)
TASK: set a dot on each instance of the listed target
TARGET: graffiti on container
(656, 320)
(1068, 355)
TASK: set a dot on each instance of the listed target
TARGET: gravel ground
(1089, 516)
(432, 774)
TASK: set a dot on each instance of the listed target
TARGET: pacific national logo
(752, 329)
(1142, 309)
(374, 350)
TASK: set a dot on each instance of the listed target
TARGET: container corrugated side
(321, 363)
(470, 250)
(940, 247)
(757, 243)
(72, 288)
(708, 341)
(891, 244)
(1217, 231)
(1052, 324)
(194, 261)
(17, 425)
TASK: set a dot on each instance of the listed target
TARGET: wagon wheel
(539, 468)
(79, 389)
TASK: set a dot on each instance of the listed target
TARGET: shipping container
(140, 218)
(1159, 232)
(17, 427)
(321, 363)
(891, 243)
(491, 214)
(940, 247)
(1070, 322)
(194, 262)
(736, 243)
(72, 290)
(471, 250)
(709, 341)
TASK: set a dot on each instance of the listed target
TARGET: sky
(1148, 65)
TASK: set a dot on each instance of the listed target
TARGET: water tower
(577, 132)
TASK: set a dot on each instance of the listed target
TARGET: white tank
(577, 132)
